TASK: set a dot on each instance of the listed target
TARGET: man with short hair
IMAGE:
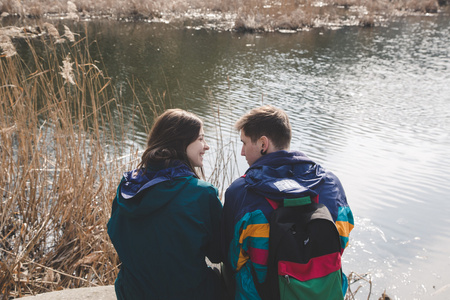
(266, 135)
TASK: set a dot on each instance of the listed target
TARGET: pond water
(370, 104)
(373, 105)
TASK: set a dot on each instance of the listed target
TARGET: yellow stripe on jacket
(251, 231)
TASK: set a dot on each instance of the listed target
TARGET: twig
(51, 269)
(62, 273)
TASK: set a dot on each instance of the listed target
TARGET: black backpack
(304, 259)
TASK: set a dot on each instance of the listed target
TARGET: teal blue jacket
(163, 224)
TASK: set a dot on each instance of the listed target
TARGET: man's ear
(264, 143)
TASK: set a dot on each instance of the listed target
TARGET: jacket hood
(284, 175)
(134, 183)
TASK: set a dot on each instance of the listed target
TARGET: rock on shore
(94, 293)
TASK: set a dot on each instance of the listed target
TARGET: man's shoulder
(235, 195)
(236, 185)
(327, 176)
(242, 200)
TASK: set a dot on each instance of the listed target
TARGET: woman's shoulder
(201, 183)
(202, 192)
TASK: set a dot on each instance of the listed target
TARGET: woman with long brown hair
(165, 219)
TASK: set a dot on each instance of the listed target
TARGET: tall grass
(65, 139)
(61, 152)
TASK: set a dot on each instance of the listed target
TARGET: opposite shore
(286, 16)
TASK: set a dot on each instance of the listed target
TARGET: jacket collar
(281, 157)
(136, 181)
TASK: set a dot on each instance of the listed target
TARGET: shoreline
(284, 18)
(106, 292)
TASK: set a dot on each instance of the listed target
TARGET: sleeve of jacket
(249, 250)
(344, 224)
(332, 195)
(344, 220)
(245, 243)
(214, 251)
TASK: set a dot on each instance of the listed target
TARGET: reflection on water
(373, 105)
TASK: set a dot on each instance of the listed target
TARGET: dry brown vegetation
(250, 15)
(59, 162)
(64, 143)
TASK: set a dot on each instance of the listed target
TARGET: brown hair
(171, 133)
(267, 121)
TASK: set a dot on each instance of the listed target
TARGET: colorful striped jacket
(246, 211)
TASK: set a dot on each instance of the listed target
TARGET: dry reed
(60, 157)
(224, 163)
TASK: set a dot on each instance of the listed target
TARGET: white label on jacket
(287, 184)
